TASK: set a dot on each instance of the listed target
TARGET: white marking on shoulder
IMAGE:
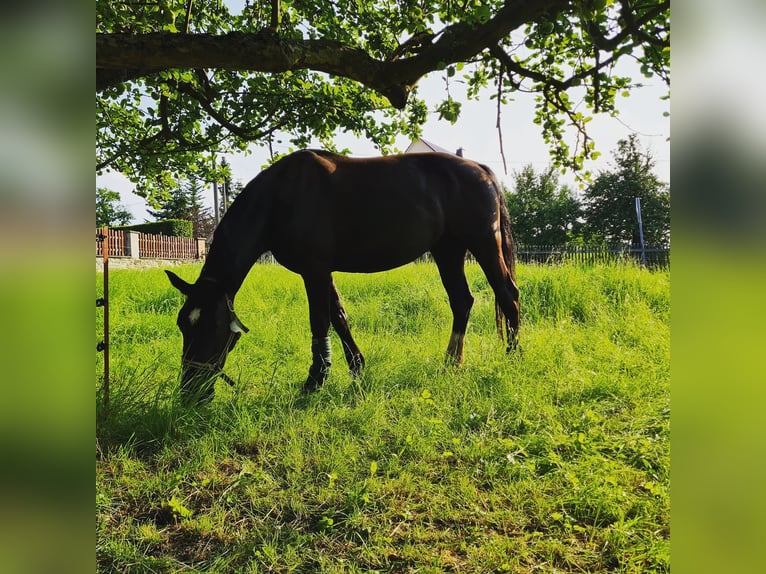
(194, 315)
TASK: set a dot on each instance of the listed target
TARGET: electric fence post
(103, 236)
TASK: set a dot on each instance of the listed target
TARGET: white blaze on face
(194, 315)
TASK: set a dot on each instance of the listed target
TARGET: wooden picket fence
(126, 243)
(118, 239)
(166, 247)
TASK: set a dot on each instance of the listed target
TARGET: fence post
(131, 244)
(103, 236)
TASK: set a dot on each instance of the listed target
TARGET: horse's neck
(220, 267)
(237, 244)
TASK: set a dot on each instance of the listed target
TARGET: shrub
(172, 227)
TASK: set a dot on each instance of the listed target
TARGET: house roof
(416, 146)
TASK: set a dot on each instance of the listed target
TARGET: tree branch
(275, 10)
(632, 28)
(187, 22)
(239, 131)
(512, 66)
(124, 57)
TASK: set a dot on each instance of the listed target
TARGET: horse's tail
(509, 256)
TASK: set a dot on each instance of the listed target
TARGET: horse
(319, 212)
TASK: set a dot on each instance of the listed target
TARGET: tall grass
(553, 459)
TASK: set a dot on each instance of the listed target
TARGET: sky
(475, 131)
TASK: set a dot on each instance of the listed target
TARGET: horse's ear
(179, 283)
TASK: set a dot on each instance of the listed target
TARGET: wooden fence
(655, 256)
(118, 240)
(128, 243)
(125, 243)
(166, 247)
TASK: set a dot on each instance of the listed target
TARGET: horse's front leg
(318, 292)
(339, 321)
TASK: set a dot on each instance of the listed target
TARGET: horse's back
(370, 214)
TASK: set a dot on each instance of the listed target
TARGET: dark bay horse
(318, 212)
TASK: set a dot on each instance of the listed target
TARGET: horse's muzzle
(198, 380)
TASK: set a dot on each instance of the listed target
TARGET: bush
(172, 227)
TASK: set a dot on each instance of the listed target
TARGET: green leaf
(177, 508)
(449, 110)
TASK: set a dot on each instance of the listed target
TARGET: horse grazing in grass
(318, 212)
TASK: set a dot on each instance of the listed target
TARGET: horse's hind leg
(490, 257)
(450, 261)
(339, 320)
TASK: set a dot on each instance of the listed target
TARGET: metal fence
(656, 256)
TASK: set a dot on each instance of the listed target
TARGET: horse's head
(210, 329)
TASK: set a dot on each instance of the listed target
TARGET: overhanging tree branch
(633, 27)
(511, 66)
(122, 57)
(343, 56)
(275, 10)
(253, 133)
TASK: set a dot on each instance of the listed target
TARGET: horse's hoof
(356, 369)
(515, 349)
(310, 386)
(191, 398)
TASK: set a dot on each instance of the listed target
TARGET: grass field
(553, 460)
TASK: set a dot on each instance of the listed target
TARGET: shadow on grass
(146, 413)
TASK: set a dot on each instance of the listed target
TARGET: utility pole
(641, 231)
(215, 196)
(225, 189)
(225, 195)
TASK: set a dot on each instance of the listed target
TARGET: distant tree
(109, 210)
(185, 202)
(610, 213)
(232, 191)
(202, 220)
(542, 212)
(224, 189)
(177, 205)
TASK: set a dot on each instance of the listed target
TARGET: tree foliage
(109, 210)
(169, 227)
(610, 213)
(178, 79)
(542, 211)
(185, 202)
(176, 206)
(203, 222)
